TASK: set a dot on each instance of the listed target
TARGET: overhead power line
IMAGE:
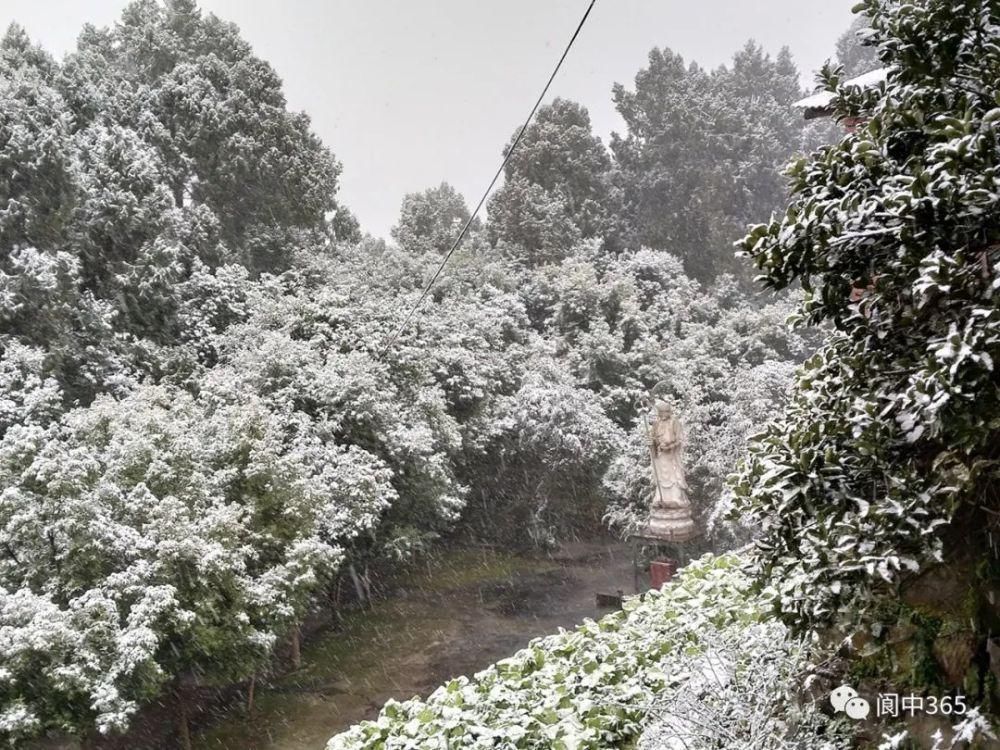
(510, 152)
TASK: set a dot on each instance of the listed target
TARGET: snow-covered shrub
(892, 432)
(162, 535)
(549, 445)
(875, 492)
(601, 684)
(740, 694)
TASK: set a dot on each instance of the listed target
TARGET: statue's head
(664, 409)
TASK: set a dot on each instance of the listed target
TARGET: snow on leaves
(889, 433)
(603, 683)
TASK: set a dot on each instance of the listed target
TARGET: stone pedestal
(670, 524)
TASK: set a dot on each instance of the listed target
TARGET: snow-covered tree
(558, 188)
(702, 152)
(884, 467)
(36, 157)
(431, 220)
(160, 149)
(191, 89)
(853, 53)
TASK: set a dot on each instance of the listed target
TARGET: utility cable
(510, 152)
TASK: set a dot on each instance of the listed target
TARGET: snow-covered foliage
(206, 413)
(875, 494)
(27, 395)
(741, 693)
(603, 683)
(559, 189)
(163, 516)
(974, 730)
(430, 221)
(166, 534)
(892, 430)
(725, 358)
(702, 152)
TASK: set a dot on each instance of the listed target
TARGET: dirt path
(459, 616)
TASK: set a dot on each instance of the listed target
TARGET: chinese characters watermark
(896, 705)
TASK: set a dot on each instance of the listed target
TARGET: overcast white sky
(408, 93)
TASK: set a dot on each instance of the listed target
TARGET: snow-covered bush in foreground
(601, 684)
(159, 537)
(739, 694)
(875, 493)
(972, 729)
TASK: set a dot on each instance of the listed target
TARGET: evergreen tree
(160, 147)
(558, 188)
(853, 53)
(192, 90)
(876, 493)
(37, 181)
(17, 52)
(430, 221)
(702, 154)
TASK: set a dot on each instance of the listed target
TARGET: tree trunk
(250, 694)
(333, 600)
(183, 724)
(357, 583)
(366, 581)
(296, 654)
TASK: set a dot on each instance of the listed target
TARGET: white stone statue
(670, 510)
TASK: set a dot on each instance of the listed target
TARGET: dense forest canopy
(202, 428)
(872, 497)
